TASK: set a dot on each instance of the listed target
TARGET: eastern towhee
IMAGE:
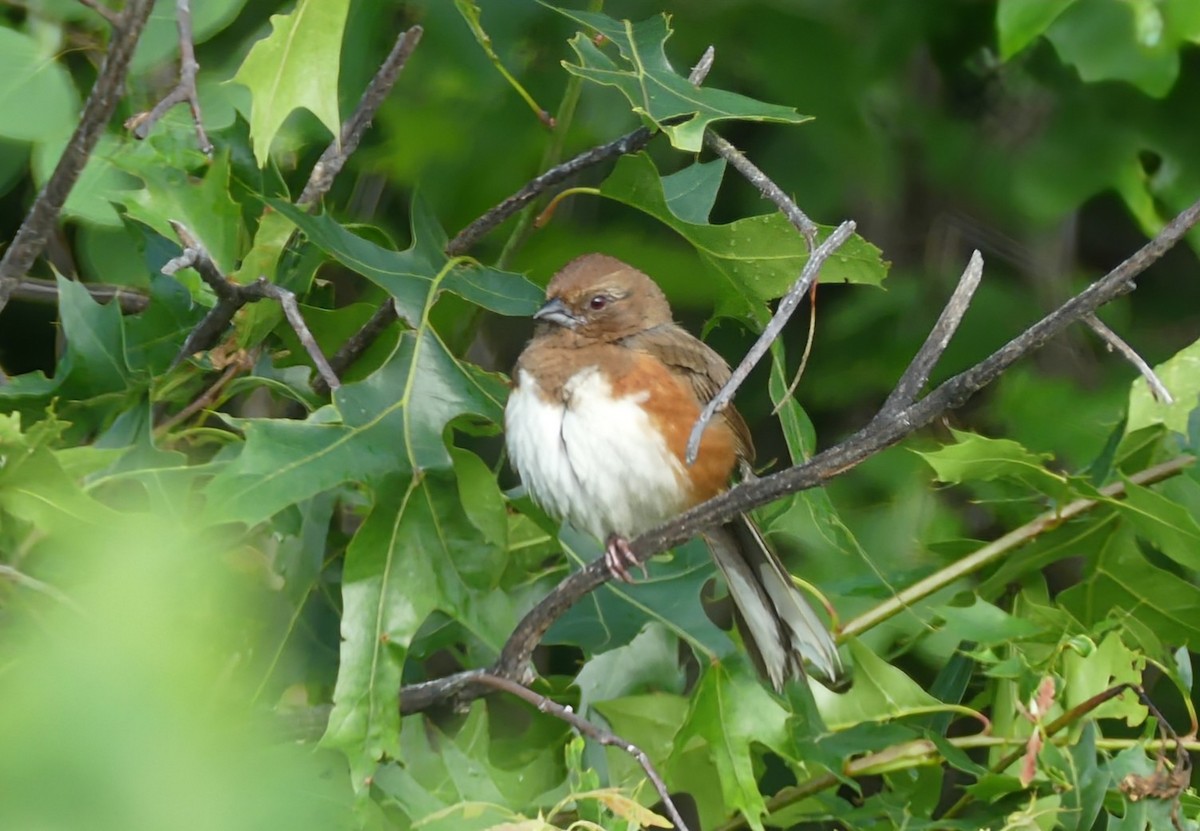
(605, 396)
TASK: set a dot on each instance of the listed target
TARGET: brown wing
(704, 369)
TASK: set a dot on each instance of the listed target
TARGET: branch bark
(102, 102)
(185, 90)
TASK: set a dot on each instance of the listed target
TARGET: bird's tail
(780, 628)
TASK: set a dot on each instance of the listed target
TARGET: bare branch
(913, 380)
(39, 222)
(291, 311)
(334, 158)
(546, 705)
(765, 185)
(465, 239)
(703, 67)
(231, 297)
(113, 17)
(38, 290)
(783, 313)
(1157, 388)
(185, 90)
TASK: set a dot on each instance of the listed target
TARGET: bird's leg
(618, 556)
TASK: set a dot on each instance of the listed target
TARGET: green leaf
(1167, 524)
(759, 257)
(691, 192)
(614, 614)
(92, 369)
(730, 712)
(36, 94)
(35, 487)
(416, 552)
(295, 66)
(881, 692)
(985, 624)
(1180, 374)
(1020, 22)
(202, 205)
(978, 458)
(1122, 582)
(459, 780)
(1111, 663)
(654, 89)
(409, 276)
(1106, 40)
(392, 421)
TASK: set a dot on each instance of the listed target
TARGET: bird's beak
(555, 311)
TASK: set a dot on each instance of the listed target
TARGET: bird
(604, 397)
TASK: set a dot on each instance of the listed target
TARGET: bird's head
(599, 298)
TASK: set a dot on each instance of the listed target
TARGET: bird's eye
(598, 302)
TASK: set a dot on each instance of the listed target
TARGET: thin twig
(703, 66)
(291, 310)
(39, 290)
(765, 186)
(207, 398)
(783, 313)
(334, 158)
(106, 92)
(185, 90)
(1114, 341)
(1001, 547)
(231, 297)
(804, 355)
(604, 737)
(913, 380)
(20, 578)
(113, 17)
(465, 239)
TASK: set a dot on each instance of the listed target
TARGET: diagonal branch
(1113, 340)
(914, 378)
(185, 90)
(783, 313)
(106, 92)
(231, 297)
(334, 158)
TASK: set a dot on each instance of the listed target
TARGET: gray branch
(185, 90)
(789, 304)
(1157, 388)
(102, 102)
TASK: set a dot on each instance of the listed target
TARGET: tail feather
(779, 626)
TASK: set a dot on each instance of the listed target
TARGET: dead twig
(789, 304)
(106, 92)
(913, 380)
(38, 290)
(185, 90)
(1113, 340)
(320, 180)
(231, 297)
(604, 737)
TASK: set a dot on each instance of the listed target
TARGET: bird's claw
(618, 557)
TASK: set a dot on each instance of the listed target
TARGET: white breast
(593, 459)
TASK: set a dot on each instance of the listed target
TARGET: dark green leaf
(653, 87)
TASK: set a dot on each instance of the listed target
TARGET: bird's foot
(618, 556)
